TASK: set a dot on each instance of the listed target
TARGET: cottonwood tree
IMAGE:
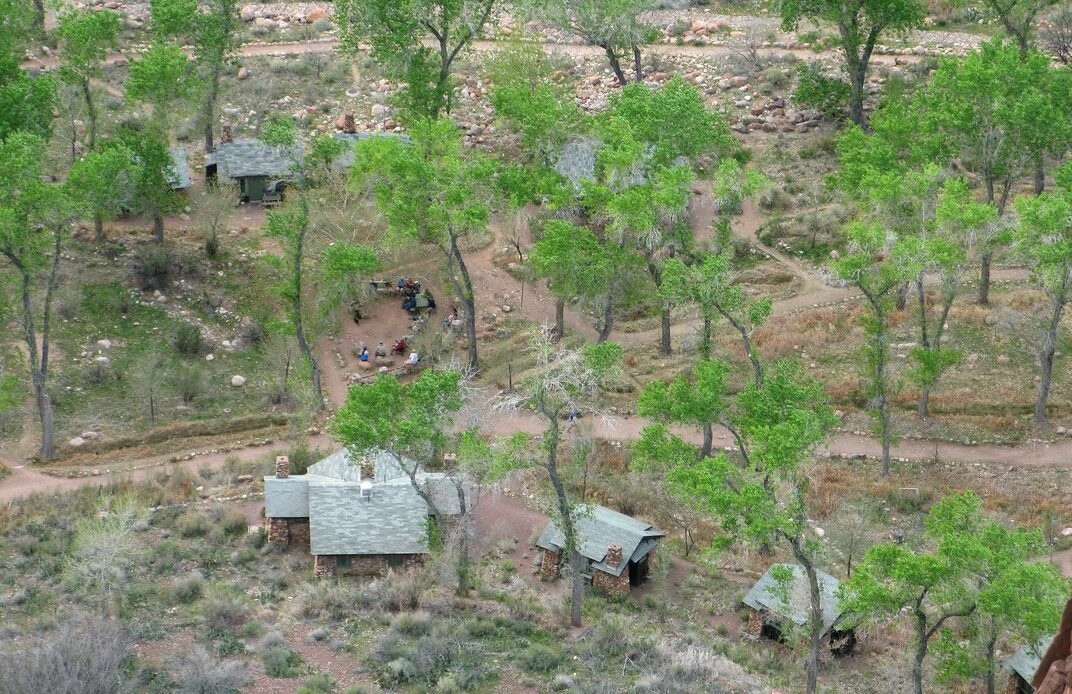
(162, 78)
(762, 500)
(1019, 599)
(698, 401)
(999, 113)
(409, 422)
(613, 25)
(396, 32)
(153, 172)
(26, 102)
(339, 262)
(1044, 238)
(214, 36)
(948, 219)
(709, 284)
(34, 220)
(561, 381)
(581, 266)
(85, 39)
(860, 23)
(104, 181)
(430, 191)
(871, 266)
(1019, 18)
(970, 564)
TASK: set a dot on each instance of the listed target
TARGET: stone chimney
(614, 556)
(368, 469)
(282, 467)
(226, 135)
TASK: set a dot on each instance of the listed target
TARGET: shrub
(828, 95)
(540, 658)
(98, 373)
(153, 267)
(200, 673)
(412, 623)
(188, 340)
(232, 522)
(280, 661)
(189, 383)
(84, 654)
(401, 670)
(186, 589)
(222, 611)
(320, 683)
(302, 456)
(192, 523)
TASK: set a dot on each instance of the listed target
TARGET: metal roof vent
(366, 490)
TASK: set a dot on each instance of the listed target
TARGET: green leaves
(696, 401)
(103, 181)
(347, 259)
(161, 77)
(85, 38)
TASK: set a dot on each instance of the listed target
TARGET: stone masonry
(549, 564)
(607, 582)
(279, 531)
(282, 467)
(323, 565)
(755, 623)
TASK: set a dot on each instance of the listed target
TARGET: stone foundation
(609, 583)
(289, 531)
(550, 563)
(755, 623)
(1015, 685)
(323, 565)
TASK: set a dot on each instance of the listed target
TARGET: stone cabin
(250, 164)
(616, 548)
(772, 612)
(1022, 666)
(358, 517)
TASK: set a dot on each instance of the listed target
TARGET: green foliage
(280, 661)
(696, 402)
(162, 77)
(153, 172)
(616, 26)
(827, 95)
(188, 339)
(103, 181)
(733, 183)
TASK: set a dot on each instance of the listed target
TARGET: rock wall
(549, 564)
(755, 623)
(611, 584)
(323, 565)
(279, 531)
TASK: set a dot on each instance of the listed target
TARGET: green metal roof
(600, 527)
(765, 595)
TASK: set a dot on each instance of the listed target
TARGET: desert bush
(815, 90)
(85, 654)
(222, 610)
(189, 383)
(186, 589)
(327, 600)
(97, 374)
(772, 197)
(319, 634)
(153, 267)
(192, 523)
(320, 683)
(231, 521)
(538, 657)
(105, 551)
(200, 673)
(280, 661)
(189, 341)
(302, 456)
(412, 623)
(396, 592)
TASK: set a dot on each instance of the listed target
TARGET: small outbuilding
(616, 548)
(774, 611)
(1022, 666)
(256, 167)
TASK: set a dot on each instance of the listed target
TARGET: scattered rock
(238, 381)
(243, 73)
(76, 442)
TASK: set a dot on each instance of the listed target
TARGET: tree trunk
(91, 115)
(1046, 355)
(98, 228)
(991, 642)
(560, 318)
(857, 73)
(902, 296)
(920, 655)
(1040, 176)
(464, 290)
(615, 65)
(708, 440)
(39, 15)
(565, 515)
(924, 402)
(815, 616)
(210, 108)
(705, 338)
(984, 279)
(664, 340)
(158, 227)
(463, 542)
(299, 322)
(636, 64)
(608, 322)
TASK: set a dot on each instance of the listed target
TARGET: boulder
(238, 381)
(76, 442)
(243, 73)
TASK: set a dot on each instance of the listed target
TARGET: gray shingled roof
(1025, 662)
(599, 527)
(179, 176)
(391, 520)
(243, 158)
(764, 596)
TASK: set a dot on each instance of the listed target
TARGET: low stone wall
(323, 565)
